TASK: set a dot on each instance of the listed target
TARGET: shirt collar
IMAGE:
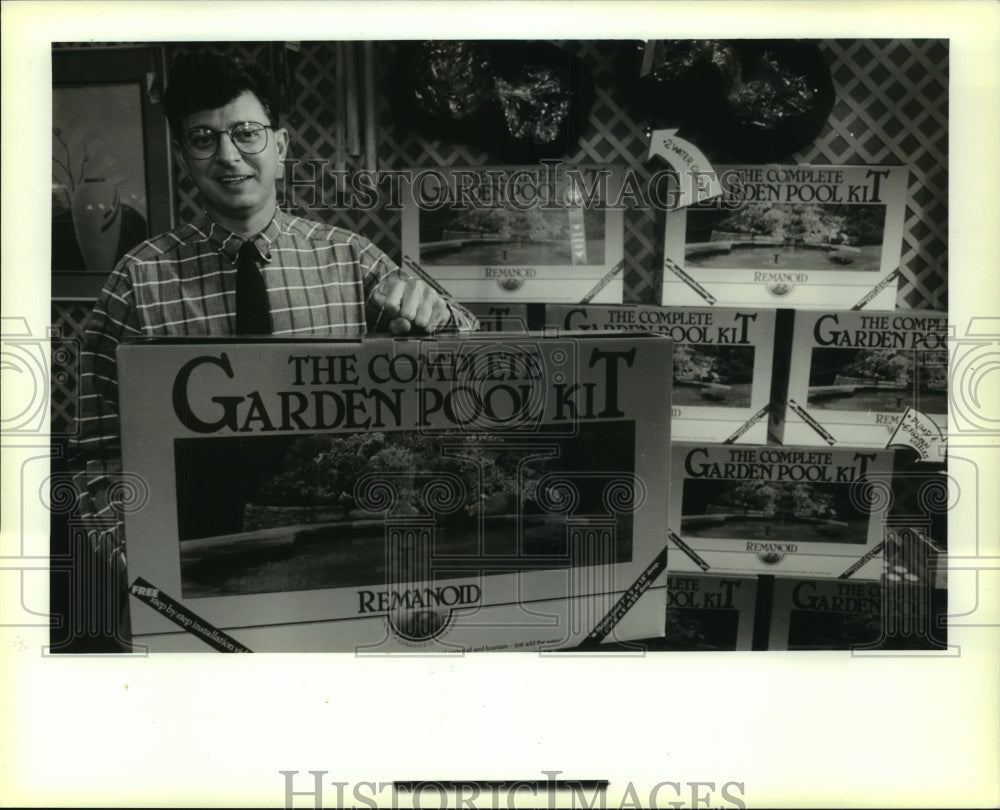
(229, 244)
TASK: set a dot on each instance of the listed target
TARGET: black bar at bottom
(456, 784)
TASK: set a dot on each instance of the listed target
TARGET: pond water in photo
(818, 630)
(690, 629)
(871, 399)
(512, 253)
(736, 395)
(770, 257)
(883, 401)
(701, 629)
(339, 557)
(785, 530)
(932, 402)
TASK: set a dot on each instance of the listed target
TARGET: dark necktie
(253, 315)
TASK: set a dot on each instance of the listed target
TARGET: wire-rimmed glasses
(201, 143)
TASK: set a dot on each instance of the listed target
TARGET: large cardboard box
(802, 237)
(455, 494)
(787, 511)
(706, 613)
(722, 363)
(854, 376)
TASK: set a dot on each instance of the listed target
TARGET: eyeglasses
(202, 143)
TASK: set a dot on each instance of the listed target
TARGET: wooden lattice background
(891, 107)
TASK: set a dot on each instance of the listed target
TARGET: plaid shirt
(319, 280)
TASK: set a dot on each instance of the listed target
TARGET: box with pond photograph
(902, 612)
(789, 236)
(706, 613)
(722, 363)
(854, 374)
(551, 232)
(787, 511)
(450, 494)
(811, 614)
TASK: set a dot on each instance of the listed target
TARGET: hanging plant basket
(519, 101)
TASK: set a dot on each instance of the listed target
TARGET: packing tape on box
(415, 268)
(577, 227)
(629, 598)
(704, 566)
(182, 617)
(861, 561)
(889, 279)
(678, 271)
(604, 282)
(805, 417)
(753, 420)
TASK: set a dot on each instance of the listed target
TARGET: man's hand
(410, 304)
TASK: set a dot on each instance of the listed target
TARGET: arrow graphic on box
(698, 180)
(919, 431)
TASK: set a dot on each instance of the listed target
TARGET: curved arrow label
(698, 180)
(919, 431)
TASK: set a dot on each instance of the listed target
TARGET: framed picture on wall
(111, 179)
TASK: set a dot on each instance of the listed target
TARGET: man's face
(236, 188)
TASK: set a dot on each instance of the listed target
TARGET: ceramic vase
(97, 222)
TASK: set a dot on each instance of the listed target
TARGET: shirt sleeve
(376, 266)
(95, 451)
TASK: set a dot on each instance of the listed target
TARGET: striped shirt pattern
(319, 280)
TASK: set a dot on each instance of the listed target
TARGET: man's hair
(205, 81)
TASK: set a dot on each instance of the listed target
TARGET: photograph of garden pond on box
(854, 374)
(773, 510)
(777, 236)
(550, 232)
(879, 380)
(286, 513)
(721, 375)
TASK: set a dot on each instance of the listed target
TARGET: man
(241, 267)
